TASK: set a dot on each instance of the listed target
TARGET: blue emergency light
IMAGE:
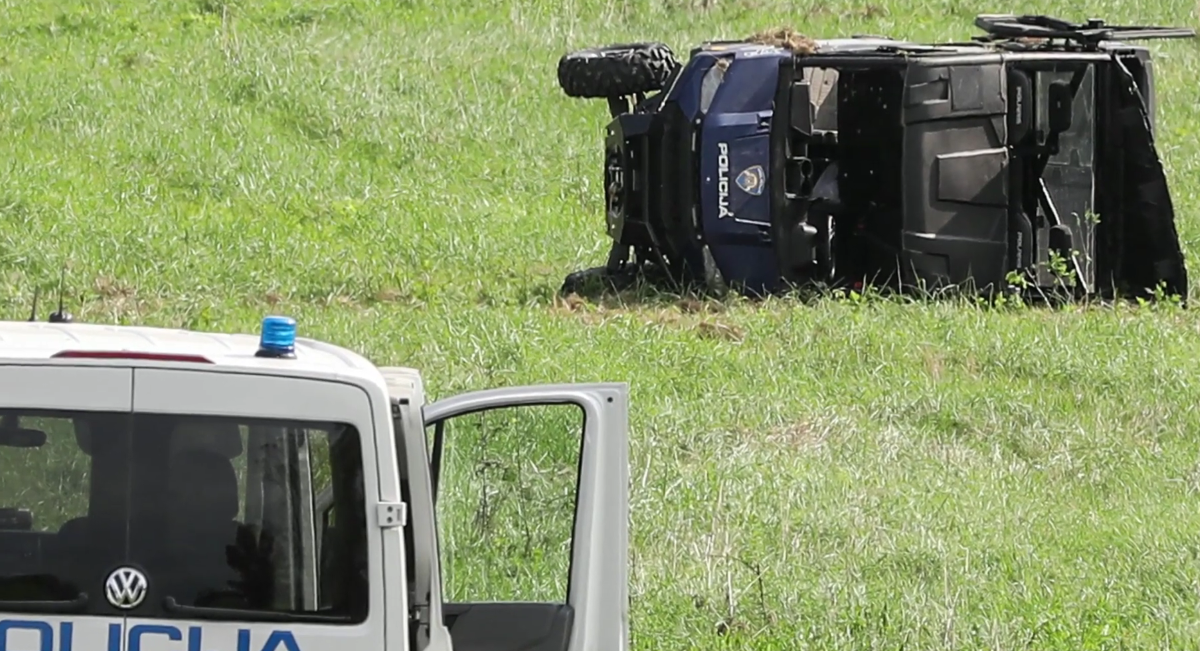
(278, 337)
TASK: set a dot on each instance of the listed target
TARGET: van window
(218, 516)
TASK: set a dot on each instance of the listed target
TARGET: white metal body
(387, 406)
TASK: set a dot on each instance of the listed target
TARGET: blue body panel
(734, 156)
(686, 91)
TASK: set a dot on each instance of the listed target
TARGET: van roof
(23, 340)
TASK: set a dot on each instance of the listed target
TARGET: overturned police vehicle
(1023, 159)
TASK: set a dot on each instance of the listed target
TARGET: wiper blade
(205, 612)
(78, 604)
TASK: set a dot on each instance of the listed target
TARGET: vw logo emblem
(125, 588)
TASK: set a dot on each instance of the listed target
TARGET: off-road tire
(617, 70)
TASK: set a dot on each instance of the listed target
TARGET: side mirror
(16, 520)
(22, 437)
(1060, 107)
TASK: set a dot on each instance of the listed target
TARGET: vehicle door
(531, 503)
(272, 579)
(53, 595)
(1052, 132)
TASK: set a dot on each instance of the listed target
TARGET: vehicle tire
(617, 70)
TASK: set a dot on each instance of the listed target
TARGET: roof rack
(1089, 34)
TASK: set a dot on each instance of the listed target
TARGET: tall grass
(406, 180)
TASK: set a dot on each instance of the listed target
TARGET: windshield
(165, 515)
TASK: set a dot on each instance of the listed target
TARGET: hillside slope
(405, 179)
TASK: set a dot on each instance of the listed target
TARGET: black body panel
(955, 183)
(650, 192)
(1136, 234)
(950, 172)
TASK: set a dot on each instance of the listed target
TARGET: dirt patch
(935, 362)
(631, 302)
(786, 38)
(694, 306)
(107, 287)
(713, 330)
(870, 12)
(804, 436)
(110, 300)
(390, 295)
(685, 314)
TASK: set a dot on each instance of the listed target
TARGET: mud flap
(1152, 254)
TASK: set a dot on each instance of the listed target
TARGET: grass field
(405, 178)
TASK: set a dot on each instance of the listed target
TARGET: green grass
(405, 178)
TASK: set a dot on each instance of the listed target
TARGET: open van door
(532, 505)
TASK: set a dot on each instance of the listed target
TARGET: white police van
(168, 490)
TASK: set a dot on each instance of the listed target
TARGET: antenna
(33, 312)
(61, 316)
